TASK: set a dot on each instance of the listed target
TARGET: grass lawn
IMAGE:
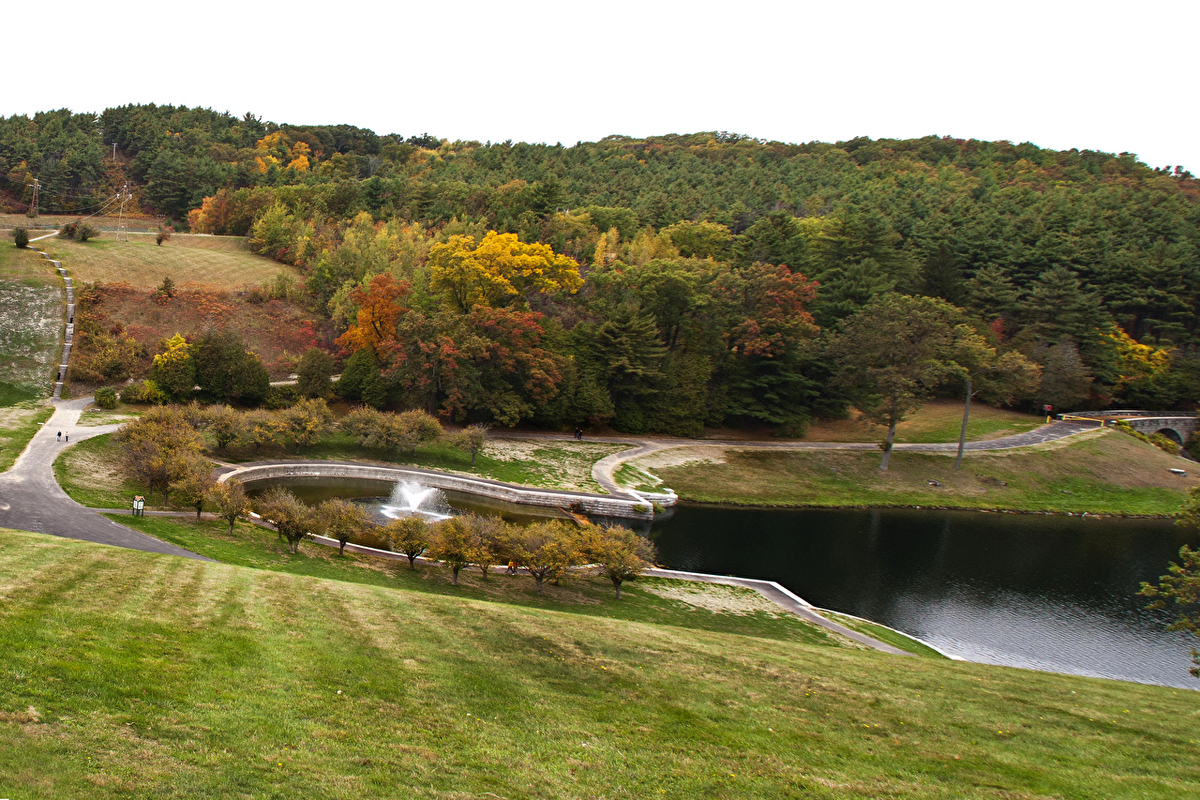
(89, 473)
(137, 675)
(140, 262)
(936, 421)
(1102, 473)
(17, 426)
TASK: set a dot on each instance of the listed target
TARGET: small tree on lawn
(20, 237)
(230, 501)
(487, 535)
(164, 234)
(341, 520)
(545, 549)
(258, 428)
(450, 543)
(195, 484)
(306, 422)
(223, 424)
(411, 429)
(407, 535)
(620, 553)
(470, 439)
(292, 519)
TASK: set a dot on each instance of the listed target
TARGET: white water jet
(410, 498)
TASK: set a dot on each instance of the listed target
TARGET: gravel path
(31, 499)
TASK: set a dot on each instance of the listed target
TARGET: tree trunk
(454, 571)
(962, 434)
(412, 561)
(198, 507)
(539, 579)
(341, 547)
(294, 545)
(617, 584)
(473, 452)
(232, 521)
(887, 444)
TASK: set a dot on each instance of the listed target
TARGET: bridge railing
(1118, 413)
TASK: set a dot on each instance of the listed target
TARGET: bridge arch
(1171, 434)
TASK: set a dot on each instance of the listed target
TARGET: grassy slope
(30, 324)
(252, 546)
(936, 421)
(140, 262)
(17, 427)
(131, 674)
(1107, 474)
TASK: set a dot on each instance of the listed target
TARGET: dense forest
(671, 282)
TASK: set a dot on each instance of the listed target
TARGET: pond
(1042, 592)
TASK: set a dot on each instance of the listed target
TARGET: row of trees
(167, 443)
(548, 550)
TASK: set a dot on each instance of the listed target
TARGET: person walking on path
(68, 437)
(60, 436)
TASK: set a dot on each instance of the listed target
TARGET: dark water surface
(1043, 592)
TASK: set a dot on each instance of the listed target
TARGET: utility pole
(121, 213)
(34, 204)
(114, 144)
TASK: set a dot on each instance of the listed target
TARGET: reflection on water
(1045, 592)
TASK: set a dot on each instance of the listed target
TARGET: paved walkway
(31, 499)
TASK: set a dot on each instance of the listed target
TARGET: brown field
(196, 260)
(278, 331)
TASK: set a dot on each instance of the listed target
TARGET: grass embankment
(936, 421)
(1101, 473)
(31, 325)
(719, 608)
(141, 675)
(215, 261)
(17, 427)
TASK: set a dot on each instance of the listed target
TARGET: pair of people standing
(60, 436)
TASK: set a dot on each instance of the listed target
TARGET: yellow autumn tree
(498, 271)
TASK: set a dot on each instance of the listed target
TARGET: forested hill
(1087, 262)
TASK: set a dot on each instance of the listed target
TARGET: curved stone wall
(597, 504)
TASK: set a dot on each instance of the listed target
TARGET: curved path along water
(32, 500)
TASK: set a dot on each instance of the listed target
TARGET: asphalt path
(32, 500)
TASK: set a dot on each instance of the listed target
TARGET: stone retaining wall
(599, 505)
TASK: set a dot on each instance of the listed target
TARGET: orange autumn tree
(379, 306)
(499, 271)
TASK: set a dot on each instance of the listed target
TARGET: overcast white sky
(1101, 75)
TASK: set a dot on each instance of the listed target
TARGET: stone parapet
(596, 504)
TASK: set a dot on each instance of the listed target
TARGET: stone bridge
(1179, 426)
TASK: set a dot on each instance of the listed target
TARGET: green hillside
(133, 675)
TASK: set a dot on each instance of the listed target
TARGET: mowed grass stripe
(443, 697)
(144, 264)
